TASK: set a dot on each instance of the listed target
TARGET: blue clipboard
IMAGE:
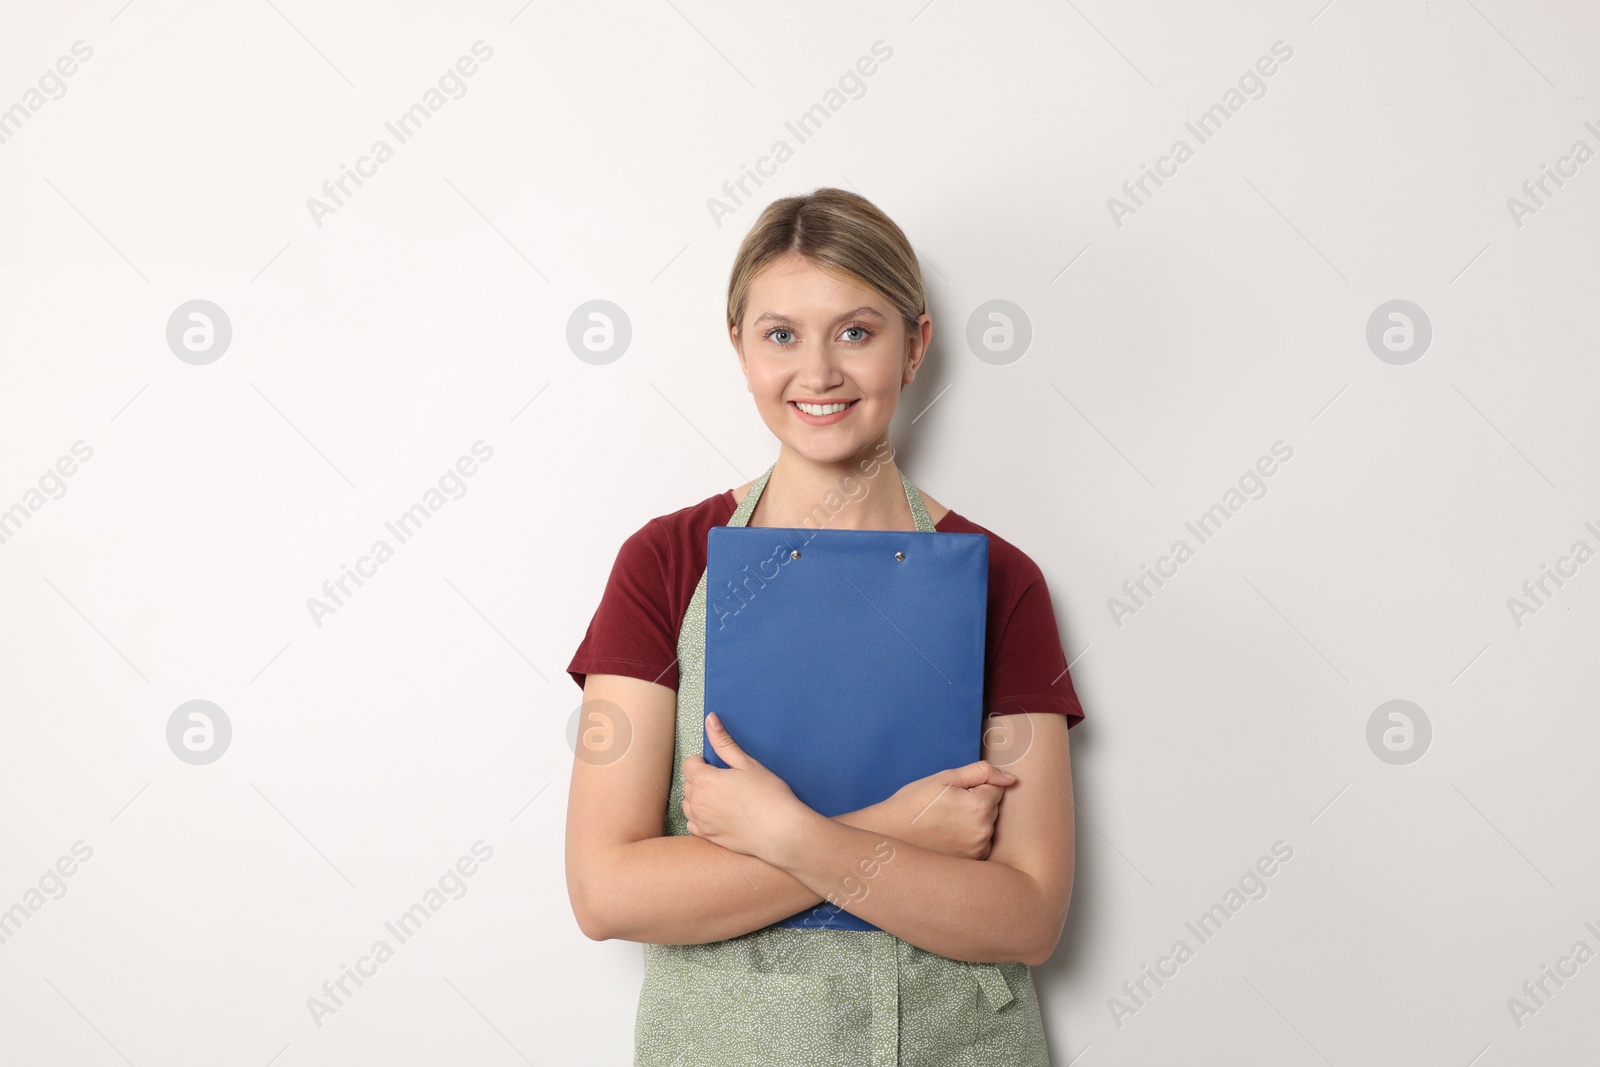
(849, 662)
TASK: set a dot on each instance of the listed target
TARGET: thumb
(980, 773)
(723, 742)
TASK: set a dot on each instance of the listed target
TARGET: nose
(819, 369)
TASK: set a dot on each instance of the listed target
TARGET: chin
(843, 453)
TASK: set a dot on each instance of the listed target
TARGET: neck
(835, 496)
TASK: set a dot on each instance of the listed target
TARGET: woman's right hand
(951, 811)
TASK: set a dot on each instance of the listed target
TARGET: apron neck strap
(747, 506)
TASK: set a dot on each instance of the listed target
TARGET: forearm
(684, 890)
(965, 909)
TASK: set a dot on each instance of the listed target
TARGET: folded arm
(627, 880)
(1010, 906)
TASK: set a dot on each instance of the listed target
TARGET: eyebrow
(864, 311)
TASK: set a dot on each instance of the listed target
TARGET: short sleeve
(633, 632)
(1029, 670)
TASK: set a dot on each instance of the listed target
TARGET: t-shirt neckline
(733, 505)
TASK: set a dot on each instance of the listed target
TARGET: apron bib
(797, 997)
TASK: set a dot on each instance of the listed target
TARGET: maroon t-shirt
(635, 629)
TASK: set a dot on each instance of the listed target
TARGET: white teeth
(821, 409)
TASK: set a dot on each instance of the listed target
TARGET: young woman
(828, 315)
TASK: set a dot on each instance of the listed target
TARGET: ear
(917, 342)
(738, 348)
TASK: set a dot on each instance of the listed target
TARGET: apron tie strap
(992, 980)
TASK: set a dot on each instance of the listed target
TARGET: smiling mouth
(829, 409)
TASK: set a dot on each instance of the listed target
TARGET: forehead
(795, 284)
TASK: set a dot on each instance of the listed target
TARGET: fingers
(973, 774)
(980, 773)
(1001, 776)
(723, 742)
(998, 775)
(988, 791)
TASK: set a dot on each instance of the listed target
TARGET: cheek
(758, 370)
(884, 379)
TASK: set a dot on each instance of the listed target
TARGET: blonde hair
(841, 232)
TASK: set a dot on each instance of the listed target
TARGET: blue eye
(784, 337)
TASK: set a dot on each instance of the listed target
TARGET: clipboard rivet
(794, 553)
(900, 555)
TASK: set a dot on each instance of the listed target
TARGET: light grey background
(430, 311)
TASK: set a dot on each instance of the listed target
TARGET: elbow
(1042, 949)
(590, 924)
(601, 903)
(1052, 921)
(589, 908)
(1043, 945)
(589, 921)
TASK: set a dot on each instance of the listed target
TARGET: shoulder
(668, 535)
(1010, 568)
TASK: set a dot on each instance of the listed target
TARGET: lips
(827, 403)
(823, 420)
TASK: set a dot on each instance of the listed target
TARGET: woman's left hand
(743, 807)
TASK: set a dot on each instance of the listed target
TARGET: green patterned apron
(797, 997)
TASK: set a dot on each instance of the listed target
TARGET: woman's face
(810, 336)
